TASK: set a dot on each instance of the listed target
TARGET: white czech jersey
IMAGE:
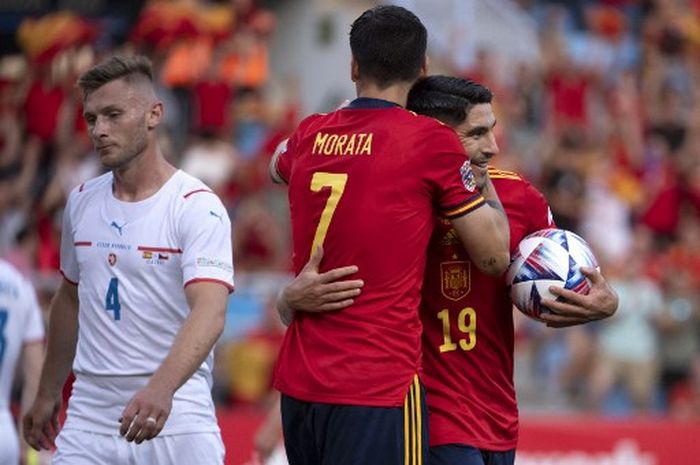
(131, 262)
(20, 323)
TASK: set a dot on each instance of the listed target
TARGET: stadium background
(598, 103)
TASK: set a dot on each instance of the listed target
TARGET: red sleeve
(289, 151)
(539, 212)
(446, 168)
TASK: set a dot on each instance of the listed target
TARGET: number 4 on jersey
(112, 300)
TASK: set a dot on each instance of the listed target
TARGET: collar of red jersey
(370, 103)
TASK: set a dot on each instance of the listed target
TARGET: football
(550, 257)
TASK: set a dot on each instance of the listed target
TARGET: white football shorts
(76, 447)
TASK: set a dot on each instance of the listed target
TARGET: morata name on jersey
(342, 144)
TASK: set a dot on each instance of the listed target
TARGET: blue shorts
(455, 454)
(331, 434)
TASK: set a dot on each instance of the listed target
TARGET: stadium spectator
(628, 344)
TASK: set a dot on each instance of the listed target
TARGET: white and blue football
(550, 257)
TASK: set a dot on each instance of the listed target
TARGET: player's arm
(278, 163)
(196, 338)
(41, 421)
(479, 219)
(269, 434)
(488, 191)
(32, 358)
(311, 291)
(485, 232)
(600, 302)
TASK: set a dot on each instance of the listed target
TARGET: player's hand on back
(575, 309)
(40, 425)
(312, 291)
(145, 414)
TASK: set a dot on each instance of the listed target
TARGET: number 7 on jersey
(336, 181)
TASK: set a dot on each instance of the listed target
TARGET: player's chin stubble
(120, 157)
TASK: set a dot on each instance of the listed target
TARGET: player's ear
(154, 115)
(424, 67)
(354, 70)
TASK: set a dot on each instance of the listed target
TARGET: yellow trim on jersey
(413, 425)
(465, 208)
(405, 431)
(504, 176)
(493, 168)
(419, 422)
(496, 173)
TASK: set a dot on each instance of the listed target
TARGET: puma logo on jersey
(219, 216)
(117, 227)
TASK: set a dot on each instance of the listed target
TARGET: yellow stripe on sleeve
(473, 205)
(504, 176)
(494, 170)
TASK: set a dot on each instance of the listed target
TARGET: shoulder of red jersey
(495, 173)
(513, 179)
(516, 192)
(430, 131)
(427, 121)
(310, 122)
(506, 182)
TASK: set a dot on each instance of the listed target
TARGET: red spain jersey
(468, 330)
(366, 182)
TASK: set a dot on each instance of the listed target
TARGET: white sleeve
(274, 171)
(69, 260)
(205, 238)
(34, 329)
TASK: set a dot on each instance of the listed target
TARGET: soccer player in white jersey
(21, 338)
(146, 256)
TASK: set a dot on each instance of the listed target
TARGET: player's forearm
(501, 219)
(193, 343)
(493, 256)
(62, 340)
(32, 357)
(285, 312)
(490, 247)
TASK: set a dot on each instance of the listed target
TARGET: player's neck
(142, 178)
(397, 93)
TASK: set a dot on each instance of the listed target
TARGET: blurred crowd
(606, 124)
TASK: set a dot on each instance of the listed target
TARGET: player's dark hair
(447, 98)
(130, 68)
(388, 43)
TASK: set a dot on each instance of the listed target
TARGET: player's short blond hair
(130, 68)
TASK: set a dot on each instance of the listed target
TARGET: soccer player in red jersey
(467, 316)
(365, 183)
